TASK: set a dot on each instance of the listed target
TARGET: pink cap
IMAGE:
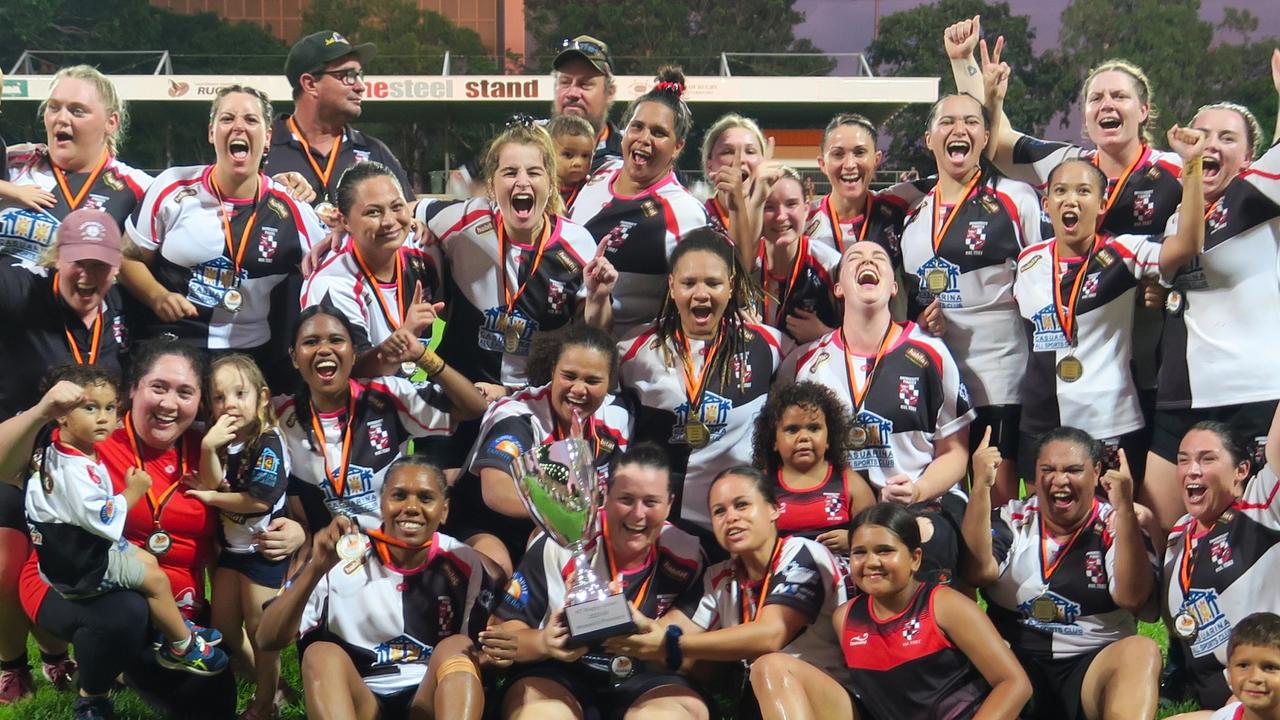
(87, 234)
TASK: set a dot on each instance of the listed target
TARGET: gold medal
(858, 437)
(232, 300)
(159, 542)
(936, 281)
(697, 434)
(1185, 625)
(1173, 302)
(1070, 369)
(351, 546)
(511, 339)
(408, 368)
(1044, 610)
(621, 667)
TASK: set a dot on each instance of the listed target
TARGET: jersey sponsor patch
(940, 279)
(1046, 332)
(1065, 616)
(1213, 627)
(107, 511)
(876, 453)
(25, 234)
(517, 595)
(714, 413)
(211, 280)
(268, 461)
(400, 650)
(497, 323)
(505, 447)
(358, 496)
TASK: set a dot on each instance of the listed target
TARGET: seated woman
(371, 606)
(774, 594)
(801, 444)
(652, 561)
(1064, 574)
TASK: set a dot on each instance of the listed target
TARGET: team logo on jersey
(975, 238)
(358, 494)
(505, 447)
(1089, 288)
(24, 234)
(444, 615)
(517, 595)
(1144, 210)
(557, 298)
(618, 235)
(876, 453)
(1094, 570)
(498, 327)
(268, 461)
(911, 629)
(834, 505)
(1214, 629)
(267, 243)
(379, 439)
(940, 278)
(740, 366)
(108, 511)
(119, 332)
(112, 180)
(908, 393)
(400, 650)
(1220, 553)
(95, 202)
(1046, 333)
(210, 281)
(1217, 216)
(361, 155)
(714, 413)
(664, 603)
(1064, 622)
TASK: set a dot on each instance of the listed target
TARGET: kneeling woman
(371, 606)
(773, 594)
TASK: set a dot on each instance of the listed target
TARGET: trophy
(559, 486)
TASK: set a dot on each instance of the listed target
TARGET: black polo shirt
(607, 148)
(287, 155)
(33, 337)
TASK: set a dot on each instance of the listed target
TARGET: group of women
(811, 415)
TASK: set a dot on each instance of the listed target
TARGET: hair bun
(670, 80)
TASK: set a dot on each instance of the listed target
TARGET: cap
(88, 234)
(588, 48)
(316, 50)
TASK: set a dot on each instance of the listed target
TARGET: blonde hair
(110, 100)
(1252, 130)
(252, 374)
(786, 171)
(1140, 82)
(728, 122)
(522, 133)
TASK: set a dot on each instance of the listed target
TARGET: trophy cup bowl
(560, 488)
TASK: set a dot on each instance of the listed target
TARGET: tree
(410, 41)
(910, 44)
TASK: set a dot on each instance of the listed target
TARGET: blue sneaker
(199, 659)
(210, 635)
(94, 708)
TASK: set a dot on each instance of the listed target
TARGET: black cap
(588, 48)
(313, 52)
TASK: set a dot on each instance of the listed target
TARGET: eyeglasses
(588, 48)
(348, 77)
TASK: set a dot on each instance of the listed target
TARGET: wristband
(675, 656)
(430, 362)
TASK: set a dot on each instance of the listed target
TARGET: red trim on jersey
(137, 189)
(467, 219)
(1262, 505)
(638, 343)
(1176, 170)
(821, 342)
(765, 334)
(933, 353)
(1034, 248)
(1260, 173)
(668, 212)
(557, 238)
(651, 190)
(293, 207)
(888, 197)
(160, 198)
(1012, 208)
(374, 385)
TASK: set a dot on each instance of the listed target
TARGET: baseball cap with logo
(588, 48)
(88, 234)
(313, 52)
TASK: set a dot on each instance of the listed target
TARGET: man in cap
(583, 73)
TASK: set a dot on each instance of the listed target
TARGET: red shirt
(191, 525)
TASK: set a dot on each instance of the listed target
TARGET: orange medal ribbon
(784, 293)
(616, 574)
(722, 215)
(1047, 570)
(1066, 311)
(94, 344)
(156, 505)
(1120, 183)
(381, 540)
(860, 393)
(764, 590)
(394, 320)
(1189, 558)
(74, 201)
(340, 481)
(834, 218)
(937, 210)
(499, 228)
(695, 389)
(327, 172)
(236, 254)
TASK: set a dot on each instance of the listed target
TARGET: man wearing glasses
(585, 87)
(327, 75)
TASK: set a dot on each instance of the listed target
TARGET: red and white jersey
(975, 260)
(1081, 583)
(807, 284)
(639, 232)
(339, 283)
(888, 213)
(390, 619)
(735, 389)
(1221, 575)
(916, 398)
(810, 513)
(25, 233)
(805, 578)
(1219, 344)
(180, 219)
(388, 412)
(550, 273)
(1103, 401)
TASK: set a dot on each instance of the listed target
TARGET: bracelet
(430, 362)
(675, 656)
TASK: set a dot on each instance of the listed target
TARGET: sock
(52, 658)
(180, 647)
(17, 663)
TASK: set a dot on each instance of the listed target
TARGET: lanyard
(1189, 548)
(764, 590)
(154, 504)
(394, 320)
(1047, 570)
(1120, 183)
(502, 261)
(860, 393)
(937, 210)
(1066, 311)
(614, 573)
(74, 201)
(235, 254)
(381, 540)
(94, 345)
(784, 294)
(339, 482)
(722, 215)
(694, 389)
(834, 218)
(327, 172)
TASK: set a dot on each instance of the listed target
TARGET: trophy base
(596, 620)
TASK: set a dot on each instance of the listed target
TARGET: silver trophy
(559, 486)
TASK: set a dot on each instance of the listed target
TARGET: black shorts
(13, 508)
(1250, 421)
(600, 699)
(396, 705)
(1056, 685)
(1003, 421)
(258, 569)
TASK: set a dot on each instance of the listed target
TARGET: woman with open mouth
(573, 372)
(649, 560)
(343, 433)
(636, 208)
(1219, 562)
(769, 604)
(1067, 576)
(214, 241)
(737, 162)
(386, 616)
(959, 250)
(702, 371)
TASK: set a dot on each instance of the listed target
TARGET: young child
(1253, 669)
(77, 521)
(245, 468)
(575, 143)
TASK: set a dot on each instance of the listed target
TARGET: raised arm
(1134, 575)
(281, 618)
(962, 40)
(979, 565)
(18, 433)
(1178, 249)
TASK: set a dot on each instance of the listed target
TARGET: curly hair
(764, 454)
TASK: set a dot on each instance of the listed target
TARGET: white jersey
(1081, 583)
(734, 393)
(916, 398)
(1224, 329)
(971, 276)
(805, 578)
(640, 233)
(1226, 574)
(390, 619)
(181, 220)
(1103, 400)
(263, 472)
(479, 313)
